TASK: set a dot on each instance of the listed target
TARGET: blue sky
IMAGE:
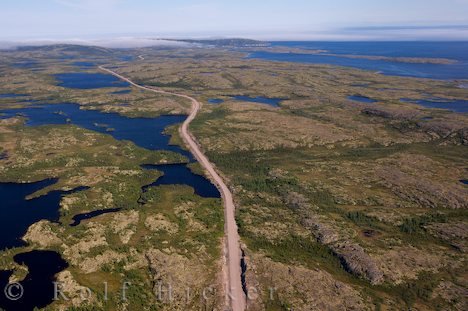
(263, 19)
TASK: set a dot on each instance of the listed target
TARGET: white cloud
(89, 4)
(118, 42)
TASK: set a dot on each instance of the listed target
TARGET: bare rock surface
(307, 289)
(354, 257)
(93, 264)
(41, 233)
(160, 222)
(358, 261)
(406, 262)
(454, 233)
(178, 272)
(73, 291)
(455, 294)
(124, 224)
(416, 179)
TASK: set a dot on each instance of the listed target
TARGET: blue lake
(144, 132)
(38, 286)
(215, 101)
(84, 64)
(175, 174)
(77, 219)
(27, 64)
(457, 51)
(459, 106)
(17, 213)
(274, 102)
(127, 58)
(84, 80)
(122, 92)
(362, 99)
(11, 95)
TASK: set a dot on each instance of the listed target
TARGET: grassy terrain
(321, 183)
(341, 205)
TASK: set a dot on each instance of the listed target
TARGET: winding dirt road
(236, 299)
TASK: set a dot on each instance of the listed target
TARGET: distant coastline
(412, 60)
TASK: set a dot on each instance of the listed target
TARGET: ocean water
(457, 51)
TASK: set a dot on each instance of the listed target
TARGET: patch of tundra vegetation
(361, 199)
(172, 239)
(304, 208)
(39, 84)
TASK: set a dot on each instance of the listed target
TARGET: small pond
(274, 102)
(362, 99)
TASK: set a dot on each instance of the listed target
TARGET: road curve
(233, 284)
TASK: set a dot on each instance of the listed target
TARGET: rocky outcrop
(454, 233)
(410, 121)
(452, 132)
(353, 256)
(307, 289)
(420, 191)
(124, 225)
(357, 261)
(463, 134)
(176, 273)
(93, 264)
(324, 233)
(73, 291)
(453, 294)
(296, 201)
(160, 223)
(41, 234)
(403, 263)
(377, 113)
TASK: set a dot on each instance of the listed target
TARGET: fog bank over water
(364, 33)
(117, 42)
